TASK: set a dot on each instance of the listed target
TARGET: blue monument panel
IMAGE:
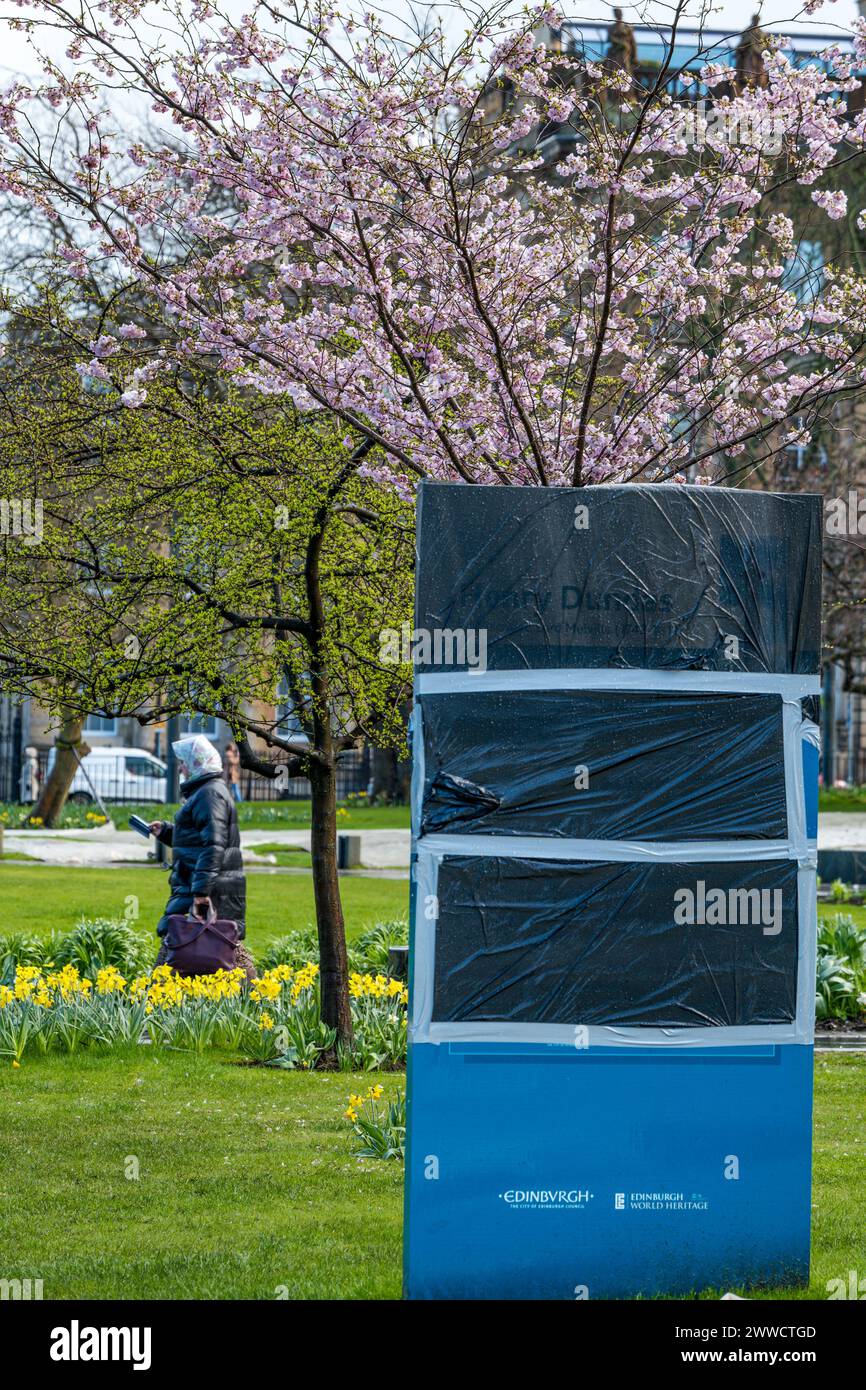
(668, 945)
(610, 1067)
(563, 1174)
(664, 766)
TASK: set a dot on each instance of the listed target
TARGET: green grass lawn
(285, 858)
(848, 799)
(246, 1184)
(839, 1175)
(849, 909)
(40, 899)
(246, 1181)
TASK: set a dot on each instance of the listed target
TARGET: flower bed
(74, 816)
(275, 1019)
(378, 1124)
(841, 984)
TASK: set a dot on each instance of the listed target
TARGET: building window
(811, 454)
(199, 724)
(95, 724)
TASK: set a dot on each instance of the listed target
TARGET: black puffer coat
(206, 851)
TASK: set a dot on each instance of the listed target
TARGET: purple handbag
(201, 945)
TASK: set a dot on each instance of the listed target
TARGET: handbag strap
(201, 926)
(211, 924)
(221, 934)
(211, 913)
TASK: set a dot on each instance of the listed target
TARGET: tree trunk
(322, 772)
(52, 797)
(333, 960)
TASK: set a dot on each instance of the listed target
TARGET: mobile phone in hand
(136, 823)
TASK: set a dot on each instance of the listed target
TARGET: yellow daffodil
(110, 981)
(265, 988)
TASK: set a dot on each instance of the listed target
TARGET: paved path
(380, 849)
(839, 830)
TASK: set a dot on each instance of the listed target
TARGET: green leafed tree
(208, 552)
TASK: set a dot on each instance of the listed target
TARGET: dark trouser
(182, 903)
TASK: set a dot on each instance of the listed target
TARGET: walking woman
(207, 867)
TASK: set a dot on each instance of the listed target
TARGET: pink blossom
(834, 204)
(367, 230)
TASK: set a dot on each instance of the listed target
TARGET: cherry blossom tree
(395, 247)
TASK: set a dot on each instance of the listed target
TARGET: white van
(118, 774)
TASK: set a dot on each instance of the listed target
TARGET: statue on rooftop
(621, 46)
(748, 60)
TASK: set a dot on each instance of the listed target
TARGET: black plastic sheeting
(660, 577)
(660, 767)
(530, 941)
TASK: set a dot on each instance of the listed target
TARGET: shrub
(368, 954)
(18, 949)
(99, 942)
(294, 949)
(840, 936)
(836, 992)
(370, 951)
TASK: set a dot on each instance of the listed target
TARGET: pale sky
(834, 17)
